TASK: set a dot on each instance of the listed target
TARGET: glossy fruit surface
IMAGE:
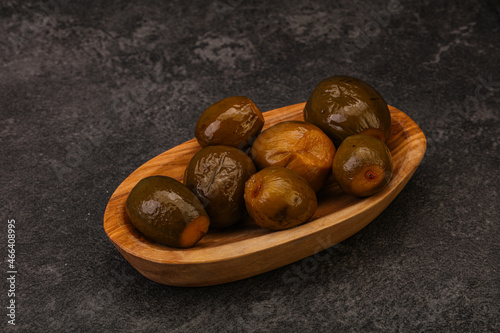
(362, 165)
(342, 106)
(277, 198)
(217, 175)
(233, 121)
(296, 145)
(167, 212)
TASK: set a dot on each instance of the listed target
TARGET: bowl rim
(120, 231)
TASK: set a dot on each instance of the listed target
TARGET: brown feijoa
(362, 165)
(233, 121)
(217, 175)
(296, 145)
(167, 212)
(277, 198)
(342, 106)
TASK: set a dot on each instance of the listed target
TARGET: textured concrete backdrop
(90, 90)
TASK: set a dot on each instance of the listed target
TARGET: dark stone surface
(90, 90)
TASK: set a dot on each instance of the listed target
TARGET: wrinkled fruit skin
(296, 145)
(342, 106)
(277, 198)
(362, 165)
(161, 208)
(217, 175)
(233, 121)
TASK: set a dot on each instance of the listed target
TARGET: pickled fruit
(342, 106)
(167, 212)
(362, 165)
(277, 198)
(233, 121)
(217, 175)
(296, 145)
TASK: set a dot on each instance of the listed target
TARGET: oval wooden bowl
(246, 250)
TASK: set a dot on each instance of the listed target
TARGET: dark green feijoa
(277, 198)
(362, 165)
(233, 121)
(167, 212)
(343, 106)
(217, 175)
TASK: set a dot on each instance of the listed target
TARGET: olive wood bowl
(245, 249)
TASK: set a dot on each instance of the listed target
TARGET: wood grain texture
(246, 250)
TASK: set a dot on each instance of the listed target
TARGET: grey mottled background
(90, 90)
